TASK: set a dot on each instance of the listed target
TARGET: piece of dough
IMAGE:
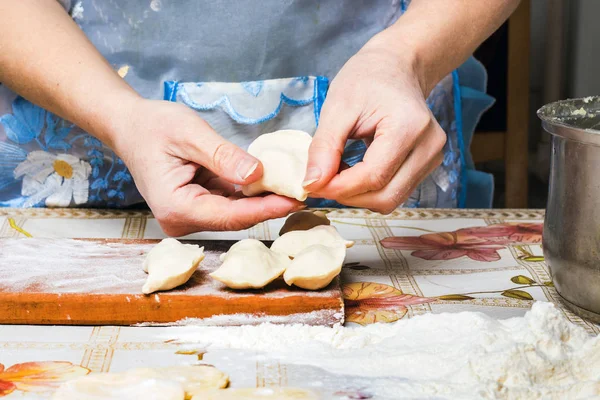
(304, 220)
(284, 156)
(258, 394)
(104, 386)
(249, 264)
(170, 264)
(315, 267)
(193, 378)
(294, 242)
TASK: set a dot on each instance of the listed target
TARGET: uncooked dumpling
(193, 378)
(294, 242)
(284, 156)
(173, 382)
(258, 394)
(170, 264)
(103, 386)
(304, 220)
(249, 264)
(315, 267)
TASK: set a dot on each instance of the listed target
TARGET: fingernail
(312, 175)
(246, 167)
(300, 207)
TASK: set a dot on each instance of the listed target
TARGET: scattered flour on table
(445, 356)
(320, 317)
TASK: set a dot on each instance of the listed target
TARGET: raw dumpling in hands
(294, 242)
(170, 264)
(249, 264)
(315, 267)
(284, 156)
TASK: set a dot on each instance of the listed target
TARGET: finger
(325, 152)
(207, 148)
(241, 213)
(195, 210)
(387, 200)
(383, 158)
(238, 194)
(232, 214)
(425, 158)
(220, 185)
(203, 175)
(218, 192)
(343, 166)
(380, 163)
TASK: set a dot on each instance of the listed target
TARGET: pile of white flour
(445, 356)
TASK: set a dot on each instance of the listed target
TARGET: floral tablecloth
(405, 264)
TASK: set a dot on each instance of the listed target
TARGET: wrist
(409, 54)
(112, 124)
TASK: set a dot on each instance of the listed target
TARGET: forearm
(441, 34)
(47, 59)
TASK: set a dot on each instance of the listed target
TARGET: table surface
(405, 264)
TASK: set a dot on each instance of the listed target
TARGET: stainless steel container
(571, 237)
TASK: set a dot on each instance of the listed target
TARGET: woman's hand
(379, 97)
(186, 171)
(376, 97)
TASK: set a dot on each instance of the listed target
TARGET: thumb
(327, 147)
(224, 158)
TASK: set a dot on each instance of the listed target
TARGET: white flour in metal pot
(445, 356)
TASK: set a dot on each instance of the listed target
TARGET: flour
(67, 267)
(77, 11)
(444, 356)
(105, 267)
(318, 317)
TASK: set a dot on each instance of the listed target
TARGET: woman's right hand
(186, 172)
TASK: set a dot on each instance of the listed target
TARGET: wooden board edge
(114, 309)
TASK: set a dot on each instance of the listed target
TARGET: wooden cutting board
(98, 282)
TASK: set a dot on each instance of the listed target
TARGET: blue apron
(246, 69)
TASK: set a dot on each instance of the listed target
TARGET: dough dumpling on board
(315, 267)
(249, 264)
(292, 243)
(170, 264)
(284, 156)
(102, 386)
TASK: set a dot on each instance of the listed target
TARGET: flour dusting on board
(106, 267)
(71, 266)
(318, 317)
(445, 356)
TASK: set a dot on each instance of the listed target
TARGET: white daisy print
(57, 178)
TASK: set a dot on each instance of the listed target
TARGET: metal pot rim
(575, 119)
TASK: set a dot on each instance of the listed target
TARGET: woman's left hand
(376, 97)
